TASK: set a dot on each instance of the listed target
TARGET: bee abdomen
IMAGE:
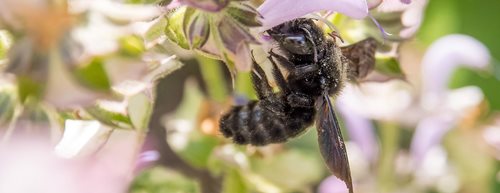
(256, 125)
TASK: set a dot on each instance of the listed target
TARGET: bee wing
(331, 143)
(360, 58)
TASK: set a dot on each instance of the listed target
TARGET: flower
(332, 185)
(30, 165)
(276, 12)
(410, 16)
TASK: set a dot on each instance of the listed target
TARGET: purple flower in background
(275, 12)
(444, 56)
(29, 165)
(445, 107)
(332, 185)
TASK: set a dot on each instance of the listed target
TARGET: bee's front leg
(259, 80)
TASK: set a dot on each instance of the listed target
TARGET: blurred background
(126, 96)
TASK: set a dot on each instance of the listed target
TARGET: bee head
(299, 36)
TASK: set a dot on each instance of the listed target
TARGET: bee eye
(297, 44)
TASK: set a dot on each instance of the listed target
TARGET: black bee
(317, 69)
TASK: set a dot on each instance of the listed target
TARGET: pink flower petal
(275, 12)
(406, 1)
(445, 55)
(332, 185)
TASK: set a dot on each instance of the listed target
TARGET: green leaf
(28, 87)
(244, 14)
(389, 66)
(286, 164)
(174, 30)
(199, 150)
(131, 46)
(8, 103)
(234, 182)
(156, 30)
(5, 43)
(93, 75)
(160, 180)
(139, 111)
(108, 117)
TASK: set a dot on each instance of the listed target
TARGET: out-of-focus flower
(401, 17)
(29, 165)
(491, 135)
(275, 12)
(445, 55)
(332, 185)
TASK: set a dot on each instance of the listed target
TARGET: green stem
(214, 78)
(244, 85)
(389, 134)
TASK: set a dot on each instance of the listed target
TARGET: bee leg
(300, 100)
(259, 80)
(278, 77)
(282, 60)
(296, 71)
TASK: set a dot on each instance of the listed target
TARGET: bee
(317, 69)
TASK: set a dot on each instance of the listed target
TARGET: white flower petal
(276, 12)
(444, 56)
(378, 100)
(76, 135)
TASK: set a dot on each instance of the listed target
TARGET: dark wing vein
(331, 143)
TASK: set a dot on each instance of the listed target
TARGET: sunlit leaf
(174, 30)
(244, 14)
(198, 150)
(234, 182)
(139, 110)
(7, 106)
(156, 31)
(109, 117)
(131, 46)
(162, 180)
(93, 75)
(389, 66)
(5, 43)
(285, 164)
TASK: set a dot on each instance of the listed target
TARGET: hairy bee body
(279, 116)
(317, 69)
(259, 123)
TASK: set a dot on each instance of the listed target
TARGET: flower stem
(213, 77)
(389, 134)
